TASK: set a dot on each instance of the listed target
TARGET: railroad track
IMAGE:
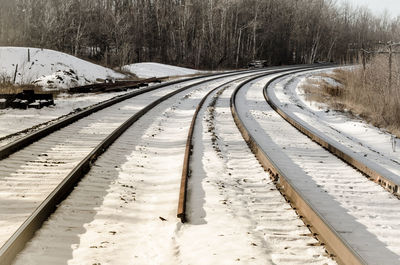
(28, 136)
(54, 159)
(237, 181)
(186, 170)
(353, 216)
(366, 159)
(94, 184)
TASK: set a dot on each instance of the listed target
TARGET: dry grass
(366, 94)
(8, 88)
(320, 90)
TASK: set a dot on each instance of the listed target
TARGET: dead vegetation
(8, 88)
(369, 94)
(319, 90)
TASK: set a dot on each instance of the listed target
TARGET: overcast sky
(378, 6)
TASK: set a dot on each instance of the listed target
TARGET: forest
(205, 34)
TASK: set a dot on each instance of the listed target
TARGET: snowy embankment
(50, 69)
(55, 70)
(368, 142)
(147, 70)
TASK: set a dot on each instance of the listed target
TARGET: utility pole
(389, 46)
(389, 49)
(363, 57)
(390, 66)
(354, 47)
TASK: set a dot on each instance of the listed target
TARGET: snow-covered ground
(13, 121)
(61, 79)
(124, 210)
(362, 212)
(147, 70)
(235, 213)
(53, 157)
(50, 68)
(233, 201)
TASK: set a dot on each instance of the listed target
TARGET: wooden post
(15, 74)
(29, 56)
(364, 62)
(364, 59)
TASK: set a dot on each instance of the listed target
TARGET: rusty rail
(186, 160)
(188, 152)
(181, 213)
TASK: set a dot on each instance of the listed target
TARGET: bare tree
(197, 33)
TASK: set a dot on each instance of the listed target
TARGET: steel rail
(181, 213)
(376, 173)
(26, 231)
(333, 241)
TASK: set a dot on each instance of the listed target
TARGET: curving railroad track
(55, 158)
(353, 216)
(236, 179)
(116, 173)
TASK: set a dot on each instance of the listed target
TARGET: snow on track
(44, 164)
(124, 210)
(130, 197)
(13, 121)
(235, 204)
(360, 211)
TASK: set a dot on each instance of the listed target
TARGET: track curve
(299, 165)
(240, 181)
(22, 235)
(186, 171)
(74, 167)
(36, 135)
(374, 171)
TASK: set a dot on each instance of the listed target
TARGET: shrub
(365, 93)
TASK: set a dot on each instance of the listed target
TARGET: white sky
(379, 6)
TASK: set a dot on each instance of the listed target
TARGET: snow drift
(147, 70)
(50, 69)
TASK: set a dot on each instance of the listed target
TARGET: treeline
(197, 33)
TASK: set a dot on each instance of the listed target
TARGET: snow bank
(147, 70)
(49, 68)
(61, 79)
(317, 78)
